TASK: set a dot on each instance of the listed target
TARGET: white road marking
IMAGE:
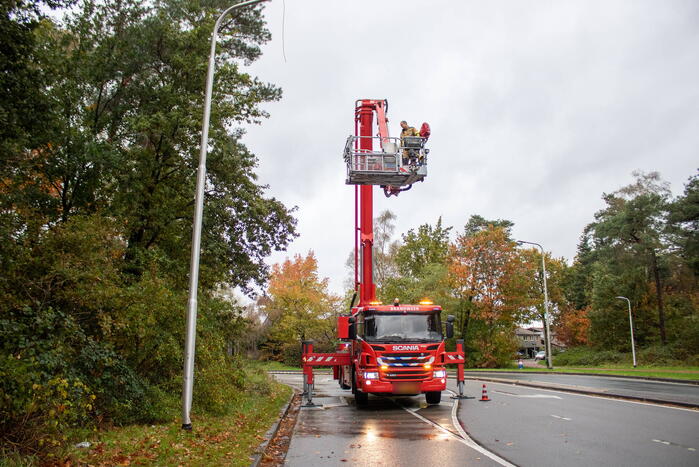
(670, 443)
(529, 396)
(561, 418)
(464, 438)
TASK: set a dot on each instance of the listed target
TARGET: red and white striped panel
(326, 359)
(453, 358)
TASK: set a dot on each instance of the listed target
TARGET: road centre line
(670, 443)
(463, 438)
(561, 418)
(601, 396)
(529, 396)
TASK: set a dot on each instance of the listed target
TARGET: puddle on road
(382, 418)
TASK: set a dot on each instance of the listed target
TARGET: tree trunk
(465, 318)
(659, 292)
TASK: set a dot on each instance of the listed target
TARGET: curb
(272, 432)
(586, 392)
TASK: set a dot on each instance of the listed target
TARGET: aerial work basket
(398, 162)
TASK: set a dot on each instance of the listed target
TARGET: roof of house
(525, 332)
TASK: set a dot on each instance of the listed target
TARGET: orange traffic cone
(484, 395)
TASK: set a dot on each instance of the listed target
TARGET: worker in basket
(410, 142)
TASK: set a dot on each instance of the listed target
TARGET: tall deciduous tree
(420, 261)
(97, 198)
(486, 271)
(298, 306)
(127, 94)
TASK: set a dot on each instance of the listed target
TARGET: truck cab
(395, 350)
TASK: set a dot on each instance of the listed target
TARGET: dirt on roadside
(276, 450)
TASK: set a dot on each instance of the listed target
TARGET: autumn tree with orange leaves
(572, 327)
(298, 306)
(490, 280)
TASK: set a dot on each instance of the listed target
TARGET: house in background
(530, 342)
(556, 344)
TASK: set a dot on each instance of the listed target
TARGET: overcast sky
(536, 109)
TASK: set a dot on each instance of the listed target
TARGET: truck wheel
(433, 397)
(341, 380)
(361, 398)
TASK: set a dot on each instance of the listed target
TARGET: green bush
(669, 355)
(35, 415)
(217, 386)
(586, 356)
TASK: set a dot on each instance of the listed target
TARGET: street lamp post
(189, 347)
(549, 360)
(633, 346)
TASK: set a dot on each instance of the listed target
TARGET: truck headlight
(439, 374)
(371, 375)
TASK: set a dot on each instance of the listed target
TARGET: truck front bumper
(376, 386)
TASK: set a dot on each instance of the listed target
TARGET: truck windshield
(402, 327)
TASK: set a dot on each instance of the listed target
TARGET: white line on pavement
(529, 396)
(561, 418)
(466, 440)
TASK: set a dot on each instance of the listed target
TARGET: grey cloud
(536, 109)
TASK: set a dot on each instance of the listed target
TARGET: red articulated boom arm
(393, 164)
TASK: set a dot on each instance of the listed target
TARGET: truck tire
(340, 379)
(433, 397)
(361, 399)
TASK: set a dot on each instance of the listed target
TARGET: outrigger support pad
(307, 348)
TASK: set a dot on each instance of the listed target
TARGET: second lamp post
(549, 361)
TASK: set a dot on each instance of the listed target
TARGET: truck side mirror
(352, 331)
(450, 326)
(343, 327)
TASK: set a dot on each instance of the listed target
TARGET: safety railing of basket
(390, 157)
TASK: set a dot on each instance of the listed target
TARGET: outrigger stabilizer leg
(307, 348)
(460, 372)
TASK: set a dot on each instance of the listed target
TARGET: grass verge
(271, 365)
(228, 440)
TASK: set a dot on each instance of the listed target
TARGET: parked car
(540, 355)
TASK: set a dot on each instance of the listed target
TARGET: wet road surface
(537, 427)
(666, 391)
(402, 431)
(525, 426)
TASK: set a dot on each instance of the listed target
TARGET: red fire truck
(393, 349)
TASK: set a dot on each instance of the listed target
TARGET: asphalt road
(400, 431)
(520, 425)
(666, 391)
(537, 427)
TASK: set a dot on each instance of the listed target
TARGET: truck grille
(405, 359)
(406, 375)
